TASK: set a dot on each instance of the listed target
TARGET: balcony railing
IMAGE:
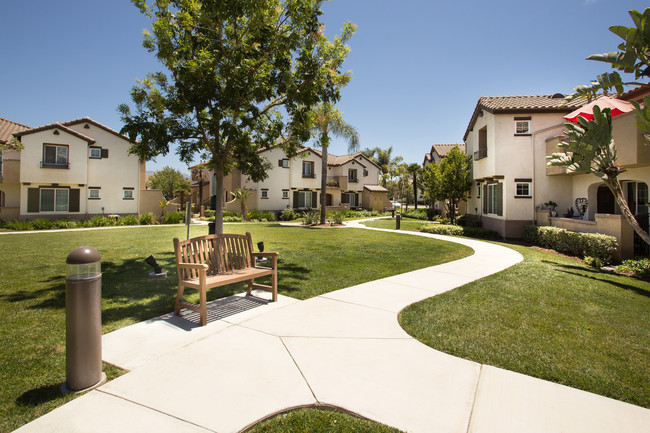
(64, 166)
(480, 154)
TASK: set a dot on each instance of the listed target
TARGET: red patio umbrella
(618, 106)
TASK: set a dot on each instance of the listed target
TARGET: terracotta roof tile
(8, 128)
(55, 126)
(375, 188)
(443, 149)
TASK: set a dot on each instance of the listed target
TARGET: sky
(418, 66)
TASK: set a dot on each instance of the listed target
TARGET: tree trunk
(415, 191)
(218, 215)
(615, 186)
(323, 182)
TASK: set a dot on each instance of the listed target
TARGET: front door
(605, 202)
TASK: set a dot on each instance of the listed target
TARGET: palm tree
(327, 121)
(242, 194)
(414, 170)
(385, 160)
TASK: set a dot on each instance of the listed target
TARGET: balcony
(480, 153)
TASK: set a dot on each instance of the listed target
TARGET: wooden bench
(216, 260)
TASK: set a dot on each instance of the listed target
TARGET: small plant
(289, 214)
(101, 221)
(594, 262)
(310, 218)
(3, 223)
(42, 224)
(471, 232)
(338, 217)
(20, 226)
(64, 224)
(146, 219)
(232, 219)
(209, 213)
(174, 218)
(640, 268)
(261, 215)
(550, 205)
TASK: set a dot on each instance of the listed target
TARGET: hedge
(451, 230)
(573, 243)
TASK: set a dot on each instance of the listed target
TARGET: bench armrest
(268, 254)
(198, 266)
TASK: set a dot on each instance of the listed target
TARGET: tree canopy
(169, 181)
(241, 76)
(449, 180)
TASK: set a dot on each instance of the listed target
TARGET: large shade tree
(590, 144)
(328, 123)
(169, 181)
(241, 76)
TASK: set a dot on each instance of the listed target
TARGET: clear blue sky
(419, 66)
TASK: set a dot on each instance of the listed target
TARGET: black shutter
(345, 198)
(356, 200)
(485, 197)
(73, 204)
(295, 199)
(104, 154)
(314, 199)
(279, 163)
(33, 200)
(499, 192)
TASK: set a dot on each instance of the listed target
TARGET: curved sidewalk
(344, 349)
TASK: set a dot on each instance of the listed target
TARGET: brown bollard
(83, 304)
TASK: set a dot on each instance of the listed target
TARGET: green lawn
(548, 317)
(389, 223)
(32, 289)
(310, 420)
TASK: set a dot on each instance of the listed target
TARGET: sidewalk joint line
(301, 372)
(471, 412)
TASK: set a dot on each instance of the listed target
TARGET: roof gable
(56, 127)
(8, 128)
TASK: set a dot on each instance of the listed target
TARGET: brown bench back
(223, 253)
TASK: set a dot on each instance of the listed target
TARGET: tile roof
(375, 188)
(8, 128)
(338, 160)
(523, 104)
(443, 149)
(65, 127)
(55, 126)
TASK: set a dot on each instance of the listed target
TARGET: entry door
(606, 203)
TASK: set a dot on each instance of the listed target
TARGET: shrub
(101, 221)
(85, 224)
(42, 224)
(209, 213)
(174, 218)
(594, 262)
(229, 213)
(338, 217)
(129, 220)
(261, 215)
(431, 213)
(20, 226)
(147, 219)
(593, 245)
(451, 230)
(469, 221)
(310, 218)
(3, 223)
(420, 214)
(289, 214)
(232, 219)
(640, 268)
(64, 224)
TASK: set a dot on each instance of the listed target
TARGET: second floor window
(352, 175)
(307, 169)
(522, 127)
(55, 155)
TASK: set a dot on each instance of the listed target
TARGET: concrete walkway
(343, 349)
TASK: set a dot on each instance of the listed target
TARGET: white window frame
(59, 205)
(522, 122)
(94, 190)
(285, 194)
(304, 195)
(352, 175)
(127, 194)
(310, 172)
(265, 193)
(98, 151)
(522, 184)
(491, 198)
(285, 163)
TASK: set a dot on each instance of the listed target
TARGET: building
(510, 138)
(9, 171)
(352, 183)
(74, 169)
(435, 155)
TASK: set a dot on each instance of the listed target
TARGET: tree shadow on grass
(290, 275)
(571, 270)
(38, 396)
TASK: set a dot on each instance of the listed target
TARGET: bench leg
(250, 287)
(274, 284)
(179, 299)
(203, 306)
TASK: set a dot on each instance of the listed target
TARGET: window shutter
(314, 199)
(104, 155)
(345, 198)
(356, 200)
(295, 199)
(279, 163)
(73, 205)
(33, 200)
(485, 197)
(499, 194)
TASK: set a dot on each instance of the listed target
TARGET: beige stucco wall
(150, 201)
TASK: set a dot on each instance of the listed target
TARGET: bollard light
(83, 305)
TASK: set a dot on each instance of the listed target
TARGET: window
(305, 199)
(96, 152)
(285, 194)
(522, 189)
(55, 156)
(54, 199)
(352, 175)
(284, 163)
(307, 169)
(127, 194)
(2, 199)
(482, 144)
(522, 127)
(265, 193)
(351, 198)
(93, 193)
(493, 199)
(365, 173)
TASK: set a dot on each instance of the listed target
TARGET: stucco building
(73, 169)
(510, 137)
